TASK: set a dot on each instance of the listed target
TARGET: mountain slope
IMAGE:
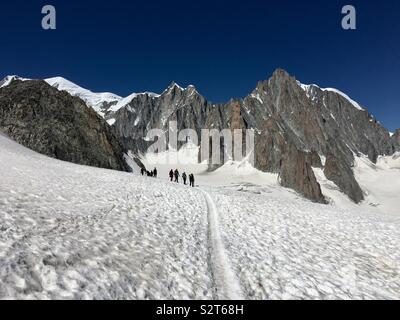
(58, 125)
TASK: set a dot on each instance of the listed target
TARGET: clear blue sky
(222, 47)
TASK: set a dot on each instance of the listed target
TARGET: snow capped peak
(173, 86)
(307, 88)
(66, 85)
(191, 89)
(57, 81)
(92, 99)
(8, 79)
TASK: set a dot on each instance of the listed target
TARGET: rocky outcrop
(342, 175)
(58, 125)
(396, 140)
(296, 173)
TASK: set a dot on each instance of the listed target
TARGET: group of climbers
(152, 173)
(174, 176)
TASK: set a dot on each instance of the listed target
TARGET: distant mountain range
(297, 127)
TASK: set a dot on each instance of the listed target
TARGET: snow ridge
(227, 285)
(354, 103)
(92, 99)
(307, 87)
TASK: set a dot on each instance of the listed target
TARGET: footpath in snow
(226, 284)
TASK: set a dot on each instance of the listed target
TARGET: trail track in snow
(225, 280)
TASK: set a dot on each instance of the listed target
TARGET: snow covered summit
(100, 102)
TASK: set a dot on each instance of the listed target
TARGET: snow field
(75, 232)
(299, 250)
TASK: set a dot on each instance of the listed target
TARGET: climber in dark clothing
(184, 177)
(176, 173)
(171, 174)
(155, 172)
(142, 171)
(191, 179)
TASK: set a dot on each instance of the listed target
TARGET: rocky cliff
(54, 123)
(396, 140)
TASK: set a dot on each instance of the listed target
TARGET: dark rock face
(296, 172)
(342, 175)
(396, 140)
(295, 125)
(58, 125)
(147, 111)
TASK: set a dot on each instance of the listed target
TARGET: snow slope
(380, 183)
(298, 250)
(76, 232)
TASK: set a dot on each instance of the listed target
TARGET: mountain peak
(174, 85)
(280, 73)
(98, 101)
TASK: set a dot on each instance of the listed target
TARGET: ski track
(227, 285)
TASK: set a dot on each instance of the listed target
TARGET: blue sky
(222, 47)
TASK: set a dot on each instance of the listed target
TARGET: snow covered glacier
(76, 232)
